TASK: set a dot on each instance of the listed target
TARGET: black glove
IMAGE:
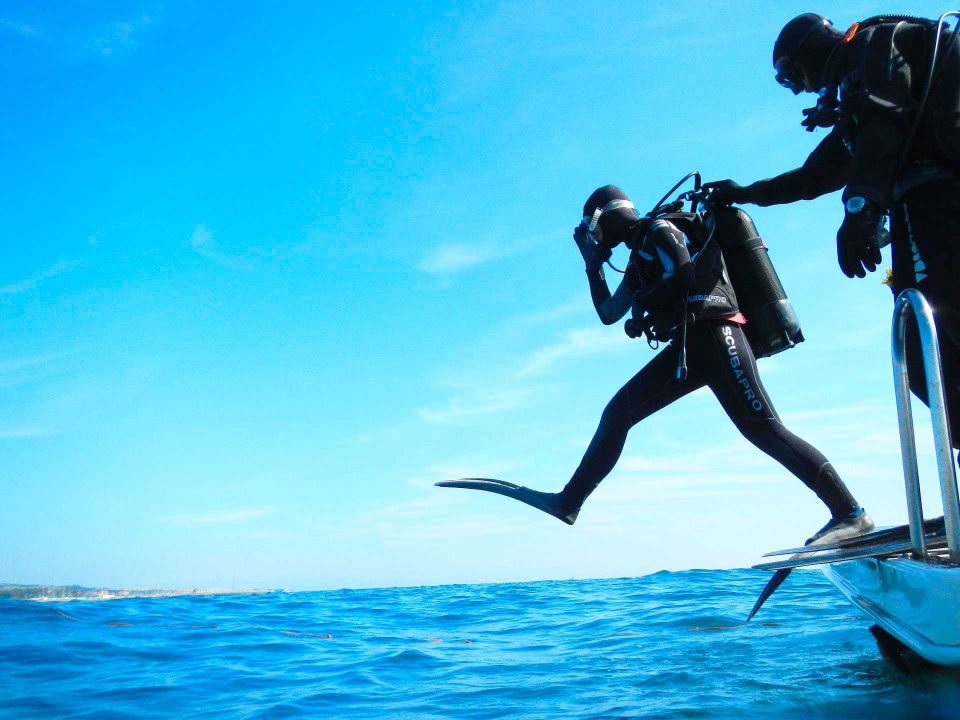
(858, 240)
(725, 192)
(594, 254)
(824, 114)
(816, 117)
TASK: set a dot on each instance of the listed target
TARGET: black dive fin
(876, 550)
(547, 502)
(933, 526)
(772, 584)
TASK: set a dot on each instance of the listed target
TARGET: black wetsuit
(881, 74)
(659, 276)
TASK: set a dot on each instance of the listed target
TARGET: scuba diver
(889, 89)
(677, 286)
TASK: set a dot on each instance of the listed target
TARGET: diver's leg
(926, 229)
(948, 337)
(651, 389)
(726, 358)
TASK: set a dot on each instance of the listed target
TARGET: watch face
(855, 204)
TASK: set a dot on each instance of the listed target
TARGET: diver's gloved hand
(594, 254)
(858, 240)
(824, 114)
(815, 117)
(726, 192)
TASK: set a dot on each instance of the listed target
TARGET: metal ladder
(912, 302)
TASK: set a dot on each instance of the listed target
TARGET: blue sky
(268, 275)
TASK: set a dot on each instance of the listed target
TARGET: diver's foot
(855, 523)
(550, 503)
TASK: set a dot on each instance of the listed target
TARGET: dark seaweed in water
(665, 645)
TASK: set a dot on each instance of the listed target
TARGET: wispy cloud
(252, 257)
(272, 535)
(834, 413)
(442, 514)
(623, 488)
(60, 393)
(466, 467)
(720, 470)
(22, 286)
(450, 259)
(17, 432)
(678, 464)
(577, 343)
(203, 244)
(228, 517)
(108, 39)
(478, 404)
(706, 462)
(14, 365)
(121, 36)
(433, 513)
(513, 388)
(430, 517)
(561, 311)
(21, 28)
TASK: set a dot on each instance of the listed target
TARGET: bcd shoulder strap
(689, 224)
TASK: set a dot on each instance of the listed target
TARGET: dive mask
(790, 75)
(592, 222)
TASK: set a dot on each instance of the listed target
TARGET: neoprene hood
(802, 49)
(610, 209)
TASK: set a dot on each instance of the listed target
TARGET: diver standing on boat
(889, 89)
(677, 287)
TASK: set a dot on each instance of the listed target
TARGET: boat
(907, 580)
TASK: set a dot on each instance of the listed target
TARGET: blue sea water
(662, 646)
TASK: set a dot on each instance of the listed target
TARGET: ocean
(667, 645)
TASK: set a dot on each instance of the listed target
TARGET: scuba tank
(772, 325)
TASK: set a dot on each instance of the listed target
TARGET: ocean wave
(669, 644)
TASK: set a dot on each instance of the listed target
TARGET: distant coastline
(78, 592)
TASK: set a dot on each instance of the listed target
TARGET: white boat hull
(916, 602)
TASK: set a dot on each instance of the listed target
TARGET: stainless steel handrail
(914, 301)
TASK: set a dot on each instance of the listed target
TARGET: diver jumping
(677, 286)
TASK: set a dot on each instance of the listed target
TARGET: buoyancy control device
(772, 324)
